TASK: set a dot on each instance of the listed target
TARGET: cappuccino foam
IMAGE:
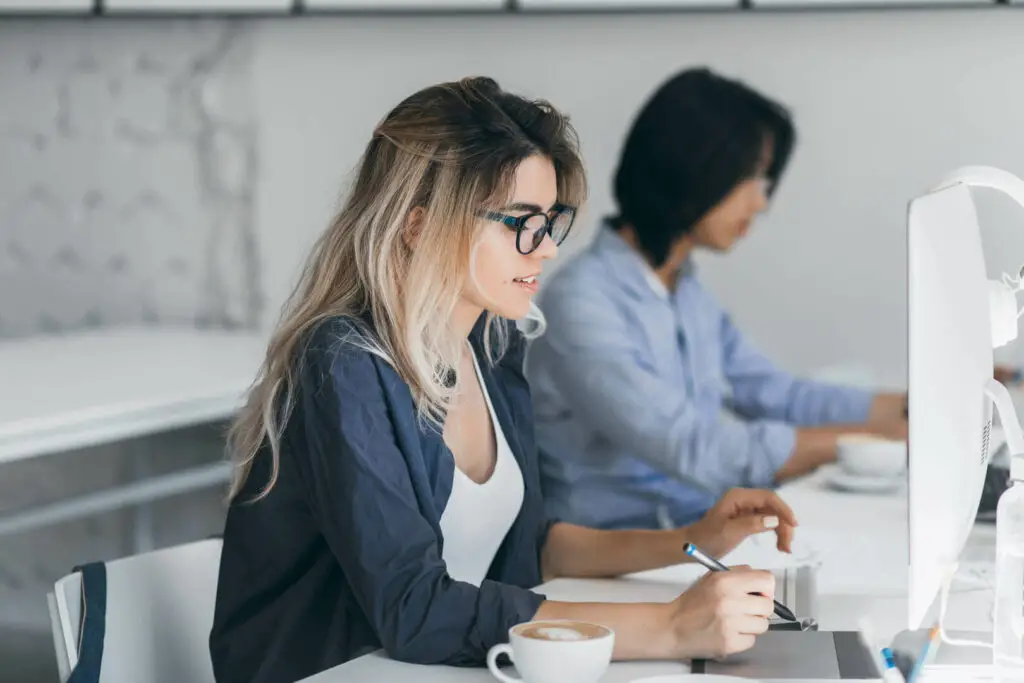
(562, 631)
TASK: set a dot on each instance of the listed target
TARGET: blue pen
(891, 674)
(714, 565)
(883, 658)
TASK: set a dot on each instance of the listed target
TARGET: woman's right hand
(719, 616)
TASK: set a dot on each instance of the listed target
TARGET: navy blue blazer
(343, 556)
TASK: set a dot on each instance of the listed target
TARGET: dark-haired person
(649, 402)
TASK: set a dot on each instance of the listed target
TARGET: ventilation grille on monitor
(986, 433)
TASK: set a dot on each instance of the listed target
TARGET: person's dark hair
(695, 140)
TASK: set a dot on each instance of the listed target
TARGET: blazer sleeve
(365, 503)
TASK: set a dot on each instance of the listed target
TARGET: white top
(62, 392)
(478, 516)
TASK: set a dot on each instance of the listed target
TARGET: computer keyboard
(997, 479)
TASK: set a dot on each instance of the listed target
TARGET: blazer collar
(495, 388)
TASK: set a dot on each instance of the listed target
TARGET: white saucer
(694, 678)
(844, 481)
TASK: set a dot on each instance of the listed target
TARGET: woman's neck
(465, 317)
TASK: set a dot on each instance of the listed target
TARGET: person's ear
(414, 226)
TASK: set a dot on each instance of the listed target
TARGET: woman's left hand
(741, 513)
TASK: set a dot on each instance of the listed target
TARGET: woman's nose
(547, 249)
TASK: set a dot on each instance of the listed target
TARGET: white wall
(886, 102)
(126, 164)
(125, 197)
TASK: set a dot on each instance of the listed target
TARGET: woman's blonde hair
(449, 150)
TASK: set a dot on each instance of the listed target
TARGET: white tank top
(478, 516)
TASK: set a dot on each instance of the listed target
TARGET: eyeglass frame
(518, 223)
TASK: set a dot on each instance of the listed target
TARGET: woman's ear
(414, 226)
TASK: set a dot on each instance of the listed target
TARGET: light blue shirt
(650, 404)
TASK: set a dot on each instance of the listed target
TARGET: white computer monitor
(950, 365)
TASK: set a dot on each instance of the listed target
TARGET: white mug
(557, 651)
(871, 456)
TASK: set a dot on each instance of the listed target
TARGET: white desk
(67, 392)
(845, 517)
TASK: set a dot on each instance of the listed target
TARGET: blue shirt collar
(630, 267)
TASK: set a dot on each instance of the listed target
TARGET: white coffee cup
(557, 651)
(865, 455)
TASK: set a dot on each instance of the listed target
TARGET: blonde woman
(387, 487)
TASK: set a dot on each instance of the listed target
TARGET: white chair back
(146, 618)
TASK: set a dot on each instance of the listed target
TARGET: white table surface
(69, 391)
(851, 585)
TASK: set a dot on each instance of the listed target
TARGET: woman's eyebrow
(531, 208)
(522, 206)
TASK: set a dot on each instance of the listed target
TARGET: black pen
(716, 566)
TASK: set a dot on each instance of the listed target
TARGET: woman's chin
(512, 310)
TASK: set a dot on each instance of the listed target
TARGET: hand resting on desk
(739, 514)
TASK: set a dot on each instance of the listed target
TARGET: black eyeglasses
(531, 228)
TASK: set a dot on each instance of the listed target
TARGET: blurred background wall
(176, 171)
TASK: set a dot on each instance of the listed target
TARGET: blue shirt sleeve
(600, 366)
(364, 501)
(762, 391)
